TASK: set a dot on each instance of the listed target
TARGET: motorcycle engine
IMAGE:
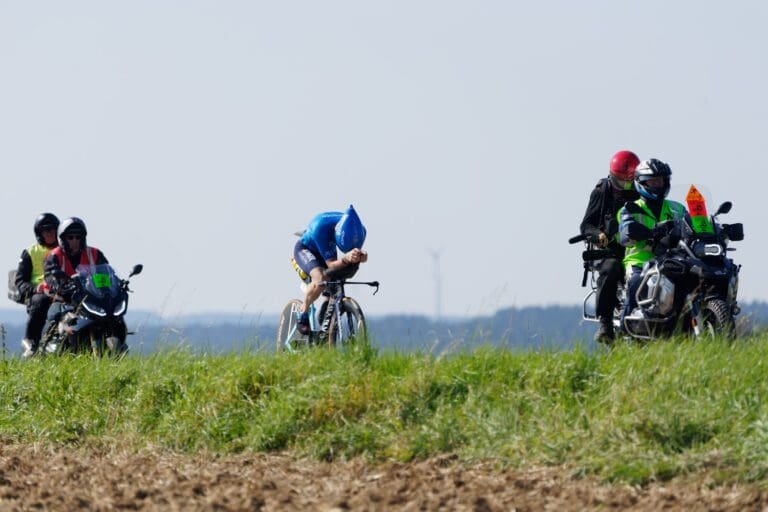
(663, 291)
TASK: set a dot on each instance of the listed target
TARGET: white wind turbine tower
(438, 284)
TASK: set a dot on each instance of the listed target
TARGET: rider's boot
(604, 332)
(303, 326)
(29, 346)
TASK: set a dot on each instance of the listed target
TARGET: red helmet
(623, 165)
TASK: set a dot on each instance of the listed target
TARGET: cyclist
(316, 252)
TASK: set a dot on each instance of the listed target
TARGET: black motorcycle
(92, 319)
(689, 286)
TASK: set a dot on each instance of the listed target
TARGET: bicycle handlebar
(372, 284)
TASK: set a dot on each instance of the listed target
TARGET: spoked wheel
(348, 325)
(718, 320)
(288, 336)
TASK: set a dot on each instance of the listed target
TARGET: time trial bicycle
(337, 321)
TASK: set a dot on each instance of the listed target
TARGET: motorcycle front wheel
(718, 320)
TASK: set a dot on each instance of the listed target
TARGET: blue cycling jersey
(320, 235)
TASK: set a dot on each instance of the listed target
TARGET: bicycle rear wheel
(288, 336)
(351, 323)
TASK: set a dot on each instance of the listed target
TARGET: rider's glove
(659, 231)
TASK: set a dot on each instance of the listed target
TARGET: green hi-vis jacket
(37, 254)
(639, 251)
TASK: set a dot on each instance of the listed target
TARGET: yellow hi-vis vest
(638, 254)
(37, 253)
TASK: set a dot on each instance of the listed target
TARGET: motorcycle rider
(315, 253)
(638, 221)
(72, 252)
(601, 226)
(30, 277)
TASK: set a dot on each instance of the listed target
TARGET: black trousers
(37, 309)
(610, 274)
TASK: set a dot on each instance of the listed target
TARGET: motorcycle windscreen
(99, 280)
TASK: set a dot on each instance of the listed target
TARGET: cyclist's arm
(336, 264)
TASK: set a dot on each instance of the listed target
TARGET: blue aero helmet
(350, 232)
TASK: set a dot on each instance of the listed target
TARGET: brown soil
(39, 479)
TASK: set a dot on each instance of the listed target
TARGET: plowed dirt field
(33, 478)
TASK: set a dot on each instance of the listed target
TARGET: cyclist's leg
(311, 268)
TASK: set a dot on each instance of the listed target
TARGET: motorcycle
(690, 285)
(92, 320)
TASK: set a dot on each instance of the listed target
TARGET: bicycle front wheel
(349, 324)
(288, 336)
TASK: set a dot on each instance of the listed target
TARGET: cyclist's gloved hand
(355, 256)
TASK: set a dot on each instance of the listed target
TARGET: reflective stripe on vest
(37, 254)
(640, 253)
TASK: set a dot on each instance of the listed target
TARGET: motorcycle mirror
(724, 208)
(136, 270)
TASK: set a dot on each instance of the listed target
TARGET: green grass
(633, 414)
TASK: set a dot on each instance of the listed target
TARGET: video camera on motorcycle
(597, 254)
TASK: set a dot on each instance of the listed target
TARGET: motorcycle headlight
(701, 250)
(94, 309)
(120, 309)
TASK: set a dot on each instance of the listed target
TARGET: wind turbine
(435, 253)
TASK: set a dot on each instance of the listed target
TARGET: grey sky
(196, 137)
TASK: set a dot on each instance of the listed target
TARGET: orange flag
(697, 207)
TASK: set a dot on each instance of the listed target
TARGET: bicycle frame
(333, 314)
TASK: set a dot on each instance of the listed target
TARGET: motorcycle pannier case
(13, 293)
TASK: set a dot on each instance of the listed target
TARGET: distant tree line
(549, 327)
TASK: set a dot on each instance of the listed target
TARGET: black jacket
(604, 203)
(24, 275)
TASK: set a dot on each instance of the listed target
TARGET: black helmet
(45, 221)
(649, 170)
(72, 226)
